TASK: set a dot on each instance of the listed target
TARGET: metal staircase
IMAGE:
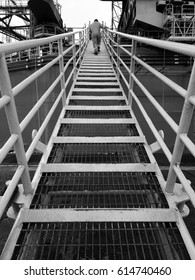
(100, 193)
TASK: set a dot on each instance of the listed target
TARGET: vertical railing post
(185, 120)
(80, 45)
(112, 48)
(132, 70)
(74, 56)
(61, 68)
(118, 55)
(13, 122)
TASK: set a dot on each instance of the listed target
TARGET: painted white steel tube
(42, 128)
(17, 89)
(185, 49)
(28, 44)
(150, 123)
(184, 125)
(13, 122)
(163, 113)
(4, 101)
(188, 143)
(185, 183)
(192, 100)
(162, 77)
(33, 111)
(10, 189)
(7, 146)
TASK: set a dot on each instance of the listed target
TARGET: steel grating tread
(97, 114)
(100, 241)
(98, 190)
(96, 93)
(93, 102)
(98, 153)
(92, 130)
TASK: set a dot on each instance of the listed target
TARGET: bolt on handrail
(181, 129)
(9, 94)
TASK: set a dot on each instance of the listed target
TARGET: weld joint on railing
(188, 143)
(192, 100)
(4, 100)
(8, 146)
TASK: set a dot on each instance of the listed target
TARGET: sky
(77, 13)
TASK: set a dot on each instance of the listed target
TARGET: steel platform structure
(100, 193)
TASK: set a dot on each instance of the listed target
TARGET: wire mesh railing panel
(91, 130)
(100, 241)
(97, 114)
(98, 190)
(98, 153)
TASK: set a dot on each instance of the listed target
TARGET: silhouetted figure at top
(94, 32)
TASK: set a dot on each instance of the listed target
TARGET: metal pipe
(158, 107)
(10, 189)
(184, 125)
(28, 44)
(163, 78)
(188, 143)
(17, 89)
(192, 100)
(4, 101)
(42, 128)
(13, 122)
(40, 102)
(150, 123)
(132, 71)
(186, 185)
(171, 46)
(61, 69)
(7, 147)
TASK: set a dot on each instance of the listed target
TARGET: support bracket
(155, 147)
(180, 197)
(40, 147)
(17, 203)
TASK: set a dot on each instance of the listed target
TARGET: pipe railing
(73, 55)
(181, 129)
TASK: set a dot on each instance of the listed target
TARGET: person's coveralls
(94, 30)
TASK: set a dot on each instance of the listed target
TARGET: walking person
(94, 33)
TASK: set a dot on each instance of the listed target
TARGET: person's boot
(96, 52)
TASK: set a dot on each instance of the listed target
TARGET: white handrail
(9, 94)
(181, 130)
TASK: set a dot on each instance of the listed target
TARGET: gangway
(98, 192)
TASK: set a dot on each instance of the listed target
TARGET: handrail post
(74, 56)
(61, 68)
(132, 70)
(185, 120)
(80, 43)
(112, 48)
(13, 122)
(118, 55)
